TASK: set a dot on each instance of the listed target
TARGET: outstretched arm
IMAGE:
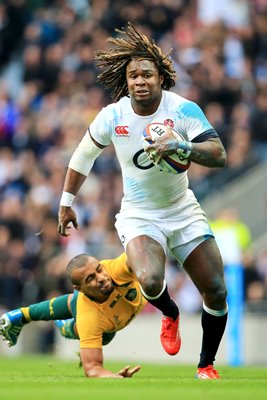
(92, 360)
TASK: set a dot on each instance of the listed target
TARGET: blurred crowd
(49, 96)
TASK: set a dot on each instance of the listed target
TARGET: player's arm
(79, 167)
(209, 153)
(92, 360)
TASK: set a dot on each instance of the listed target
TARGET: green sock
(56, 308)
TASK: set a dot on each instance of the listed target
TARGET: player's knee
(220, 295)
(216, 298)
(152, 284)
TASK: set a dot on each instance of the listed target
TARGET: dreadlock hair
(113, 62)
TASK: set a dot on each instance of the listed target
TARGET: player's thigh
(146, 256)
(131, 226)
(205, 267)
(145, 244)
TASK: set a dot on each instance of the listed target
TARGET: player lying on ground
(106, 298)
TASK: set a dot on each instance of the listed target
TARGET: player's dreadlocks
(113, 63)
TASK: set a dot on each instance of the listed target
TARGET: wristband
(184, 149)
(66, 199)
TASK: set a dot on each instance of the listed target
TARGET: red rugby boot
(207, 373)
(170, 336)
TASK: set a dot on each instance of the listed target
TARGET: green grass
(47, 378)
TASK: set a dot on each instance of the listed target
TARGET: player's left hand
(126, 372)
(163, 145)
(167, 144)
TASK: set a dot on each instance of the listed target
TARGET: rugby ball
(175, 164)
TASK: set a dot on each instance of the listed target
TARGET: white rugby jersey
(144, 184)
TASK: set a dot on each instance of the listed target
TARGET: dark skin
(212, 154)
(144, 86)
(145, 255)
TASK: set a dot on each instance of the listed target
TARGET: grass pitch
(47, 378)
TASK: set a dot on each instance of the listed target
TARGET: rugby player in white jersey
(159, 214)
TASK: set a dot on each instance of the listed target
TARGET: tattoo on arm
(209, 154)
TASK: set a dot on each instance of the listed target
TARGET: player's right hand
(66, 215)
(126, 372)
(163, 145)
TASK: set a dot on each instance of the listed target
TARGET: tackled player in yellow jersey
(109, 297)
(106, 298)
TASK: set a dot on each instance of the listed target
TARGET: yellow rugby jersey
(124, 303)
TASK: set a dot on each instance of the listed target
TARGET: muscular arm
(73, 181)
(92, 360)
(209, 153)
(66, 215)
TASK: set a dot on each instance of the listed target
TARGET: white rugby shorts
(179, 229)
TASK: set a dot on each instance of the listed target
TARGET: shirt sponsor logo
(122, 131)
